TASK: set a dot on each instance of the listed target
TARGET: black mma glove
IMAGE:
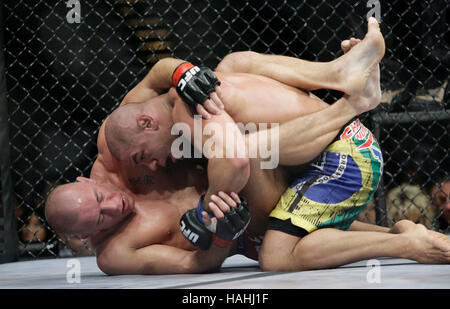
(195, 230)
(234, 222)
(194, 84)
(223, 233)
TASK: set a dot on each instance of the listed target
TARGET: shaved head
(140, 133)
(121, 128)
(86, 207)
(61, 209)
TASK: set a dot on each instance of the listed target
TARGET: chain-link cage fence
(70, 63)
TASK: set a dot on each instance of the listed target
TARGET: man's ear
(84, 179)
(147, 122)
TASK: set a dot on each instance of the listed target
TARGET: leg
(347, 73)
(327, 248)
(328, 195)
(303, 232)
(304, 74)
(301, 139)
(367, 227)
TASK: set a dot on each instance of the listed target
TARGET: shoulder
(102, 146)
(105, 168)
(105, 157)
(140, 93)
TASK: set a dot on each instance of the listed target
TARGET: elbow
(194, 264)
(239, 154)
(188, 266)
(237, 62)
(241, 164)
(241, 169)
(106, 267)
(236, 170)
(240, 161)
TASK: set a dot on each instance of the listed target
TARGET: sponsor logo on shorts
(367, 144)
(340, 169)
(337, 173)
(357, 130)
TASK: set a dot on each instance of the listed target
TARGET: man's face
(441, 199)
(100, 206)
(151, 149)
(150, 143)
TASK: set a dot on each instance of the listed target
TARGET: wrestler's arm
(227, 171)
(159, 259)
(157, 81)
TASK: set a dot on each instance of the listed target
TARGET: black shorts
(286, 226)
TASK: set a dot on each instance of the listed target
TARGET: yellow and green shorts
(335, 188)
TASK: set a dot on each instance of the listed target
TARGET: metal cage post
(10, 238)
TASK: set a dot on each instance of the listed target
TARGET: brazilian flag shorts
(335, 188)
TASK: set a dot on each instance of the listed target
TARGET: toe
(345, 45)
(353, 42)
(373, 22)
(373, 26)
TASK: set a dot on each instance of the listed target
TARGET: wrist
(179, 71)
(200, 208)
(219, 242)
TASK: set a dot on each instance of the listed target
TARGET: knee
(281, 252)
(236, 62)
(268, 261)
(287, 263)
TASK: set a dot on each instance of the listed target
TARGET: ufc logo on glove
(191, 236)
(187, 76)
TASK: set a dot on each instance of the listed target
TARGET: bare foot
(360, 60)
(371, 95)
(428, 247)
(346, 45)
